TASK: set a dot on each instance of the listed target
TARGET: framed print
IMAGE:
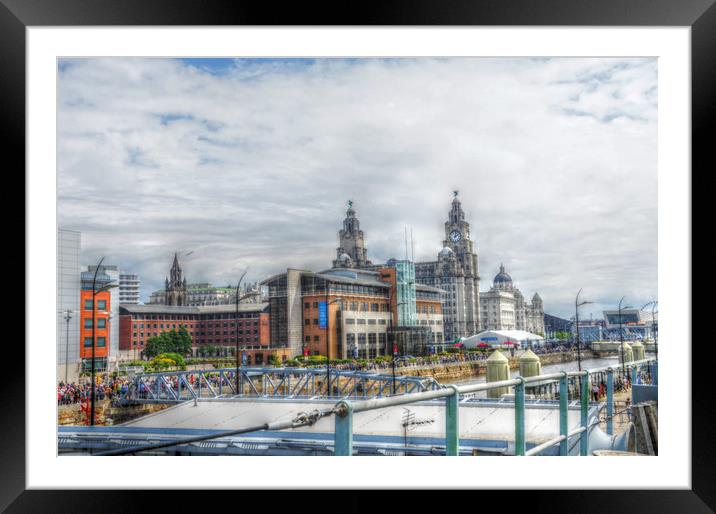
(413, 234)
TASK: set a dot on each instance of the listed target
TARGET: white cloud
(555, 160)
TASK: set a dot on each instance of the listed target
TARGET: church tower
(175, 286)
(351, 251)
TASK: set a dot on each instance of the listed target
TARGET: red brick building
(216, 325)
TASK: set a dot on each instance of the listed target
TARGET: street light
(328, 339)
(577, 304)
(621, 335)
(95, 292)
(68, 317)
(653, 304)
(236, 328)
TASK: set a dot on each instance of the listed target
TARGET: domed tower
(502, 280)
(351, 243)
(175, 286)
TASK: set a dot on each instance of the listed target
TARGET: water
(553, 368)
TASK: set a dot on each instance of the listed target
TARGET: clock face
(455, 236)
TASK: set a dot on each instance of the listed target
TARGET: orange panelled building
(101, 330)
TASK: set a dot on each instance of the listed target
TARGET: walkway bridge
(291, 383)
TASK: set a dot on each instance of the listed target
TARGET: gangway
(180, 386)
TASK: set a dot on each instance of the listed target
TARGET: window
(315, 321)
(88, 342)
(308, 322)
(101, 342)
(88, 305)
(308, 339)
(382, 321)
(102, 305)
(361, 321)
(315, 305)
(374, 307)
(307, 305)
(102, 323)
(315, 338)
(371, 322)
(350, 321)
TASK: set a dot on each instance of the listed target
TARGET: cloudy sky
(250, 162)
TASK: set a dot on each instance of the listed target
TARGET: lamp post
(653, 304)
(328, 339)
(621, 335)
(95, 292)
(577, 304)
(236, 328)
(395, 348)
(68, 317)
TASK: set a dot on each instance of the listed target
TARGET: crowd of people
(75, 393)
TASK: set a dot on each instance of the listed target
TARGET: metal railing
(180, 386)
(346, 409)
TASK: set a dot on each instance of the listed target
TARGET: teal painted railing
(345, 410)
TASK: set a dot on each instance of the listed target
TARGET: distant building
(554, 324)
(217, 326)
(175, 286)
(351, 251)
(68, 305)
(178, 292)
(633, 323)
(360, 307)
(129, 285)
(504, 307)
(454, 272)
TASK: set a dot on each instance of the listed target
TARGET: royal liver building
(455, 272)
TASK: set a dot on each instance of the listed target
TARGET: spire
(175, 265)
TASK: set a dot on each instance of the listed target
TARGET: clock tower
(457, 239)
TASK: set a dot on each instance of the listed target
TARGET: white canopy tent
(503, 339)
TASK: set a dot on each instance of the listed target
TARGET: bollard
(520, 417)
(343, 443)
(497, 370)
(452, 423)
(584, 439)
(563, 414)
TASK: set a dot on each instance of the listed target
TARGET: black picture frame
(700, 15)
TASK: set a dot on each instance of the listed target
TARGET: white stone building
(503, 307)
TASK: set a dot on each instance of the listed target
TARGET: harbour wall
(467, 369)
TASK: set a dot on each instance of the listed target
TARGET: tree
(169, 342)
(562, 336)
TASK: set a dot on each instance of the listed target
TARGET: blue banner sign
(322, 314)
(488, 339)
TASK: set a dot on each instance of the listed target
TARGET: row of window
(357, 306)
(200, 325)
(101, 305)
(188, 317)
(101, 323)
(203, 333)
(362, 321)
(101, 342)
